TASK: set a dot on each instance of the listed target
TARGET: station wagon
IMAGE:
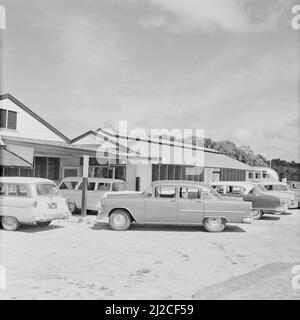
(71, 188)
(174, 202)
(261, 203)
(27, 200)
(295, 187)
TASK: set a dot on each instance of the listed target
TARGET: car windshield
(257, 191)
(262, 188)
(212, 192)
(44, 189)
(119, 186)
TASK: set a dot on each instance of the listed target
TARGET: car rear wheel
(10, 223)
(214, 224)
(43, 223)
(256, 214)
(72, 207)
(120, 220)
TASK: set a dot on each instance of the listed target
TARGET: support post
(84, 185)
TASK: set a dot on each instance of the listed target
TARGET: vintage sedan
(295, 187)
(280, 189)
(261, 203)
(28, 200)
(174, 202)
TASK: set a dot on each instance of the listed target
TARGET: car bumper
(48, 217)
(247, 220)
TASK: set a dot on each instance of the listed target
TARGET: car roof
(24, 180)
(233, 183)
(93, 179)
(272, 182)
(180, 182)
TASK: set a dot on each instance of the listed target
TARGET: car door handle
(172, 200)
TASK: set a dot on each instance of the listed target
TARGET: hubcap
(119, 220)
(214, 222)
(10, 221)
(255, 213)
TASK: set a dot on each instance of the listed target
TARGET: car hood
(281, 195)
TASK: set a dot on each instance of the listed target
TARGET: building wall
(144, 172)
(27, 126)
(232, 175)
(130, 176)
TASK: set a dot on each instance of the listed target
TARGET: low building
(30, 146)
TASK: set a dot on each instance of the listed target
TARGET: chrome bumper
(247, 220)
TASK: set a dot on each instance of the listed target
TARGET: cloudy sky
(229, 67)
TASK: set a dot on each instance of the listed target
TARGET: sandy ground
(87, 260)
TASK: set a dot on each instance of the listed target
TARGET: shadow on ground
(166, 228)
(272, 281)
(33, 228)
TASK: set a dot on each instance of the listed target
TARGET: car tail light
(35, 204)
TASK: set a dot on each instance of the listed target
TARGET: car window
(90, 186)
(278, 187)
(2, 189)
(256, 191)
(46, 189)
(268, 187)
(190, 193)
(68, 185)
(103, 186)
(18, 190)
(219, 189)
(119, 186)
(165, 192)
(148, 192)
(235, 190)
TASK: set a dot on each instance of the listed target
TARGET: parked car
(27, 200)
(295, 187)
(71, 188)
(174, 202)
(261, 203)
(280, 189)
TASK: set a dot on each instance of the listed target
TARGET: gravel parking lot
(85, 259)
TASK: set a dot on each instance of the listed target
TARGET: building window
(46, 168)
(8, 119)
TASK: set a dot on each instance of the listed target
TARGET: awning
(11, 159)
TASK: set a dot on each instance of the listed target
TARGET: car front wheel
(10, 223)
(257, 214)
(214, 224)
(119, 220)
(43, 223)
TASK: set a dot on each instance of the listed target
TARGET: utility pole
(84, 185)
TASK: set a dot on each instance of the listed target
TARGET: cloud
(209, 15)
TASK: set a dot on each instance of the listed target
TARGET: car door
(190, 206)
(67, 188)
(91, 194)
(162, 206)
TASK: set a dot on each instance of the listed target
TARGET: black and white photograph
(149, 151)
